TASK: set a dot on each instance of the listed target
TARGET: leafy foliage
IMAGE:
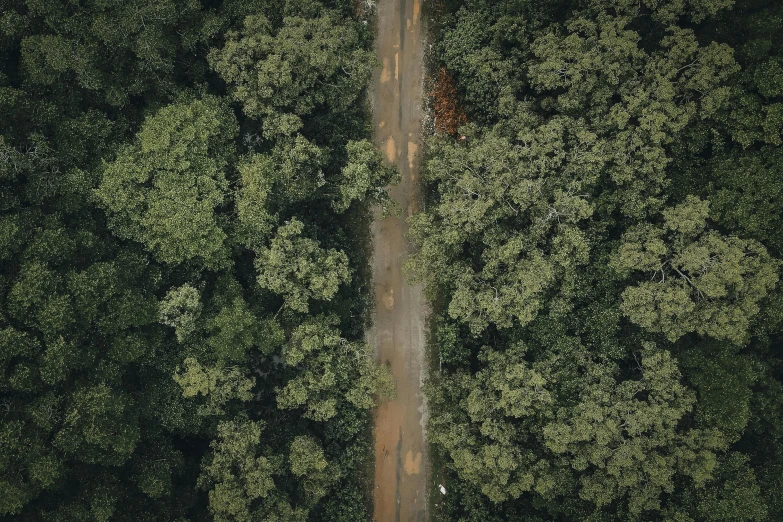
(315, 273)
(708, 283)
(139, 210)
(164, 191)
(287, 72)
(600, 245)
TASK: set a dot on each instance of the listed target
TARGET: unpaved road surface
(398, 332)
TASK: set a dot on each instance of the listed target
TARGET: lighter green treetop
(330, 369)
(307, 63)
(364, 177)
(164, 190)
(181, 309)
(299, 270)
(217, 384)
(236, 475)
(693, 279)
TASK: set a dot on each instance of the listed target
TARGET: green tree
(298, 269)
(495, 409)
(627, 109)
(237, 477)
(115, 51)
(733, 495)
(235, 330)
(724, 379)
(707, 283)
(500, 236)
(307, 63)
(181, 309)
(217, 384)
(625, 437)
(131, 324)
(746, 189)
(517, 429)
(99, 426)
(309, 464)
(364, 177)
(28, 465)
(165, 190)
(330, 370)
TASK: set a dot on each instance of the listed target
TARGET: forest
(602, 245)
(185, 190)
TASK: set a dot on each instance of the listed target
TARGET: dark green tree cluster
(603, 249)
(183, 242)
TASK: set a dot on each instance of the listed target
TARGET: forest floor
(398, 333)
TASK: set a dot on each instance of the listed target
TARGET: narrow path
(398, 333)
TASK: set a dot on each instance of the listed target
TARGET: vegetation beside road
(605, 240)
(184, 239)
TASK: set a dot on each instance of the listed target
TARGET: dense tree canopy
(164, 192)
(289, 71)
(602, 249)
(184, 192)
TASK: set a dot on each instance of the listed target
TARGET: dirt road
(398, 333)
